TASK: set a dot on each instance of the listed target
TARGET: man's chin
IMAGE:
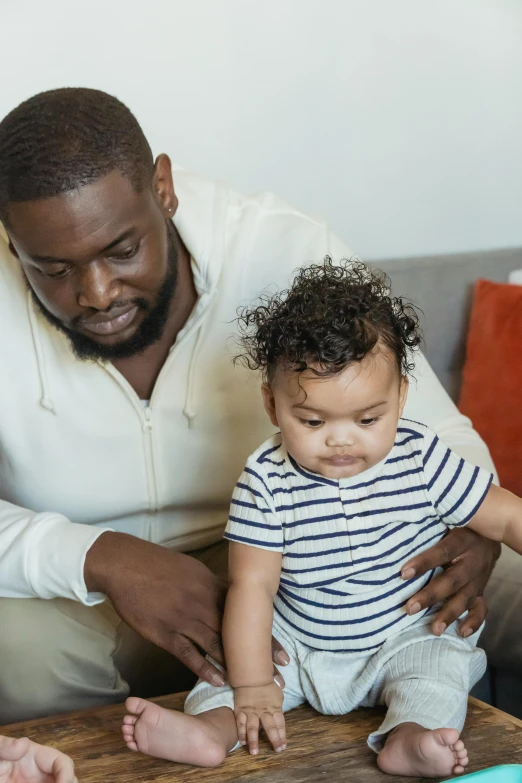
(114, 347)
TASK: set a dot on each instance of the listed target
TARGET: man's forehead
(79, 221)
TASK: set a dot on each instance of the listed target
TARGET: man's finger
(454, 608)
(279, 679)
(439, 589)
(209, 616)
(279, 654)
(272, 731)
(209, 641)
(477, 613)
(221, 592)
(443, 553)
(183, 649)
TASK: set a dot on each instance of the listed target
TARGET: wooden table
(321, 749)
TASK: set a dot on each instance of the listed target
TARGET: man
(124, 423)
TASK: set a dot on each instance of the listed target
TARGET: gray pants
(58, 656)
(420, 678)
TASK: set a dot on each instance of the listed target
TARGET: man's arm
(468, 558)
(169, 598)
(429, 403)
(42, 555)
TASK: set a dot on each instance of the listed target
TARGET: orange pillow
(492, 384)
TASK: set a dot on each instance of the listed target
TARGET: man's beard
(148, 332)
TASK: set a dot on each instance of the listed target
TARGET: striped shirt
(343, 542)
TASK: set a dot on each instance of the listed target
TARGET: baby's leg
(206, 731)
(202, 740)
(426, 687)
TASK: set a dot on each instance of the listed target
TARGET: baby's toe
(461, 754)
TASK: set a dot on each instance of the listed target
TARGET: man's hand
(468, 560)
(258, 707)
(167, 597)
(23, 761)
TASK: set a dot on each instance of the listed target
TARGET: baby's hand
(260, 704)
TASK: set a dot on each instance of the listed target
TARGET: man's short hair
(62, 139)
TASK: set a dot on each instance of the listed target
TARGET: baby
(322, 520)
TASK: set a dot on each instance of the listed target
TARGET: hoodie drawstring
(189, 408)
(45, 392)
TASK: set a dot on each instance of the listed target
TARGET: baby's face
(340, 425)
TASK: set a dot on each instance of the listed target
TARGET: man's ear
(269, 402)
(164, 186)
(403, 393)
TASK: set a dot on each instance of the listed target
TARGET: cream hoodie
(79, 452)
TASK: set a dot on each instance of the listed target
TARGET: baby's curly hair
(333, 315)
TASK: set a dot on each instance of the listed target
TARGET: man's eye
(369, 420)
(130, 253)
(58, 273)
(313, 423)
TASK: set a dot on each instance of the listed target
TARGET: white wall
(400, 120)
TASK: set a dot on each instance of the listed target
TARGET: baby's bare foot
(166, 734)
(413, 750)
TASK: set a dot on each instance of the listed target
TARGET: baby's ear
(269, 402)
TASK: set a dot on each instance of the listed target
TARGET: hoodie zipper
(149, 460)
(146, 413)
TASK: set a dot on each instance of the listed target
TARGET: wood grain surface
(321, 749)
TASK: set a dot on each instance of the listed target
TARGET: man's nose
(98, 288)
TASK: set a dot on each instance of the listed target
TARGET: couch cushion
(442, 287)
(492, 379)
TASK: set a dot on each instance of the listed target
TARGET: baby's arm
(500, 518)
(254, 575)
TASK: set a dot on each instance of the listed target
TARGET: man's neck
(142, 370)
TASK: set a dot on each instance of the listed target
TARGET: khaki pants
(58, 656)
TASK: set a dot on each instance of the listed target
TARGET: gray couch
(442, 287)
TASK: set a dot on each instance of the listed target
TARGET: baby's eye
(313, 423)
(368, 421)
